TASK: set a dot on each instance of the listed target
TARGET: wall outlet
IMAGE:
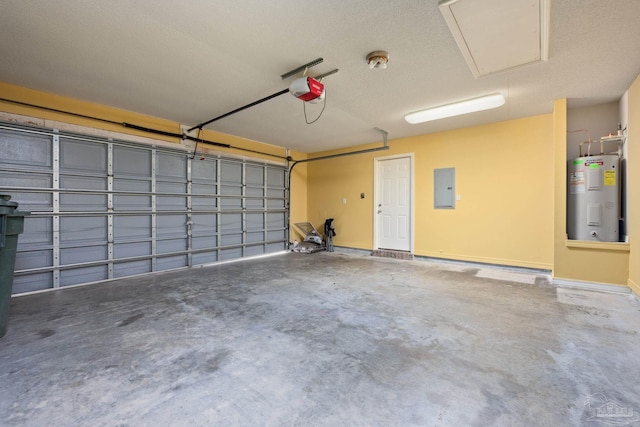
(344, 200)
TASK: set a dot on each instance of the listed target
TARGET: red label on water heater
(594, 162)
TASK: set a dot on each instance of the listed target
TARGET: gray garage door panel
(32, 282)
(78, 156)
(125, 269)
(168, 263)
(83, 254)
(76, 276)
(128, 161)
(35, 259)
(105, 209)
(24, 148)
(206, 257)
(83, 201)
(83, 229)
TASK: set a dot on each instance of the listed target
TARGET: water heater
(593, 208)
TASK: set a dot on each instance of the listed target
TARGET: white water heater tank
(593, 193)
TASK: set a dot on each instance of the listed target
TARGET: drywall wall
(623, 113)
(633, 177)
(504, 179)
(591, 122)
(334, 187)
(298, 190)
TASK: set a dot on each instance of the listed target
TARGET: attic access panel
(496, 35)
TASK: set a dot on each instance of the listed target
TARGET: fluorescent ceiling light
(498, 35)
(456, 109)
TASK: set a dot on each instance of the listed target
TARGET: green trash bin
(11, 225)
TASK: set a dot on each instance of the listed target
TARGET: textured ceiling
(192, 61)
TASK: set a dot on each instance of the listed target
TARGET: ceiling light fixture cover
(456, 109)
(378, 59)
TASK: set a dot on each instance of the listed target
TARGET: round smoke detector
(378, 59)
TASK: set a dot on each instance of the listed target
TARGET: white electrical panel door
(444, 188)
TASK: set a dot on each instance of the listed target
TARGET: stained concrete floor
(322, 340)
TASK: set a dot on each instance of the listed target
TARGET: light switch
(344, 201)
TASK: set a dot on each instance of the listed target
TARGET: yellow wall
(34, 97)
(298, 208)
(633, 178)
(331, 181)
(504, 176)
(29, 96)
(513, 196)
(595, 262)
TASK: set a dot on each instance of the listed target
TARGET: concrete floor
(322, 340)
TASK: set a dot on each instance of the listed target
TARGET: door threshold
(389, 253)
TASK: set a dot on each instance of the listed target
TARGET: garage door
(104, 209)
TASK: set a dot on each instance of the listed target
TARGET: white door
(393, 209)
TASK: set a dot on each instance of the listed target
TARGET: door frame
(377, 161)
